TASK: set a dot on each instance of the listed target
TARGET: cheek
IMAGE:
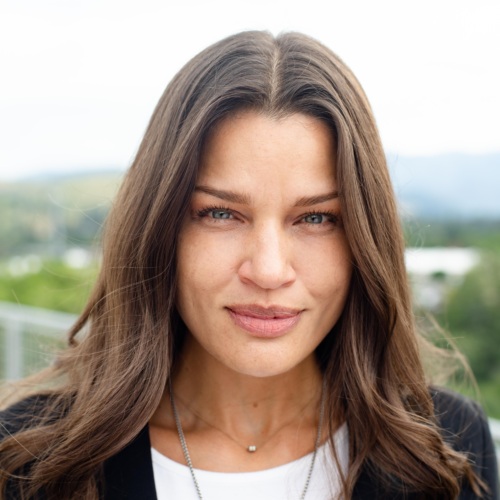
(327, 269)
(203, 263)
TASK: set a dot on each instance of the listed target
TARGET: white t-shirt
(286, 482)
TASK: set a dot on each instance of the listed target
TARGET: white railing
(27, 337)
(29, 334)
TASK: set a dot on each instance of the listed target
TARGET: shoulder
(461, 419)
(127, 475)
(22, 414)
(465, 427)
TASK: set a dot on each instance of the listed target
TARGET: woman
(250, 333)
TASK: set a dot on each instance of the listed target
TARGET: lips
(265, 322)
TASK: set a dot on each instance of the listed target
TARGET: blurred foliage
(44, 220)
(472, 314)
(55, 286)
(46, 217)
(474, 306)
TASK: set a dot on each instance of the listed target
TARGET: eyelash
(214, 208)
(331, 216)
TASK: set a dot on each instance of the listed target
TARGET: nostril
(267, 270)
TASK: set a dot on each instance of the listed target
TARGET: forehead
(253, 147)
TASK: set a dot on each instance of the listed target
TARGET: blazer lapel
(129, 474)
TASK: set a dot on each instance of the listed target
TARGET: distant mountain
(448, 186)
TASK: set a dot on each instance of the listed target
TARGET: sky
(80, 78)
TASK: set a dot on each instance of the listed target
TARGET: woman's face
(263, 262)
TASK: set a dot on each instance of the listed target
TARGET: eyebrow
(230, 196)
(243, 199)
(307, 201)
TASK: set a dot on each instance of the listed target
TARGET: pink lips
(265, 322)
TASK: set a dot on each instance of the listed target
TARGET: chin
(262, 368)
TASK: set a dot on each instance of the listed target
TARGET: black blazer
(129, 474)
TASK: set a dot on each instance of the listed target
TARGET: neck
(242, 405)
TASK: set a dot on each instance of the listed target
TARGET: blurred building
(434, 271)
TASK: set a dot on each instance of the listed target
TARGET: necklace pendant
(252, 448)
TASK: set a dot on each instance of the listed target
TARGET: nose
(267, 262)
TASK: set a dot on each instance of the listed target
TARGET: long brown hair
(112, 376)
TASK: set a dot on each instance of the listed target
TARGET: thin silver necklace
(252, 448)
(187, 458)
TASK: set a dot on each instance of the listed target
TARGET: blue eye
(320, 220)
(215, 213)
(220, 214)
(315, 218)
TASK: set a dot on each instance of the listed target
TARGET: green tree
(55, 286)
(473, 317)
